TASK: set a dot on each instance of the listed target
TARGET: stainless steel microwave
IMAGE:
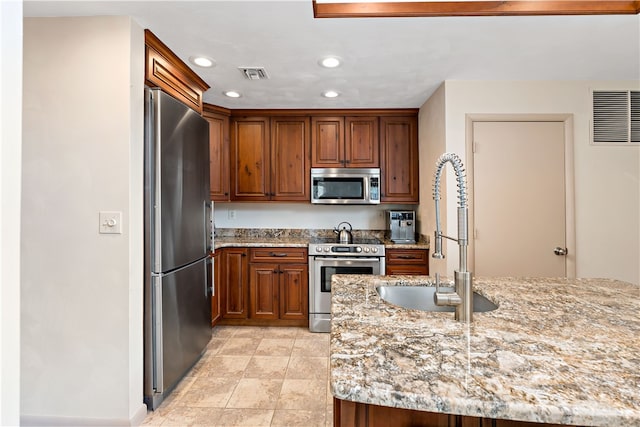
(356, 186)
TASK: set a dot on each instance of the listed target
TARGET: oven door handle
(354, 259)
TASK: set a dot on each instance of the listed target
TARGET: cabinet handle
(280, 255)
(407, 257)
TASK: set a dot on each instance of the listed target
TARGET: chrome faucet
(462, 296)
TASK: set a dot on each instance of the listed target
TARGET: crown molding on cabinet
(473, 8)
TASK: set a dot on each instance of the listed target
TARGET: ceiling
(387, 62)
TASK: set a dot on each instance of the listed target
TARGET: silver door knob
(560, 251)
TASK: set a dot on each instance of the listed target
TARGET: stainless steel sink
(421, 298)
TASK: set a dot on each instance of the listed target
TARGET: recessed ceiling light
(232, 94)
(330, 94)
(202, 61)
(330, 62)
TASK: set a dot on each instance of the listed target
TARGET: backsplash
(300, 233)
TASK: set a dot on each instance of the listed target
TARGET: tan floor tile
(329, 412)
(186, 416)
(248, 332)
(246, 417)
(303, 367)
(307, 395)
(275, 347)
(215, 345)
(208, 392)
(267, 367)
(310, 347)
(298, 418)
(239, 347)
(223, 331)
(204, 396)
(281, 331)
(255, 393)
(226, 366)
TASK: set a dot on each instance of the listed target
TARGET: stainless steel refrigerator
(178, 238)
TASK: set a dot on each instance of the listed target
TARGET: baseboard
(53, 421)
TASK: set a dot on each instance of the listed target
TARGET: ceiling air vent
(254, 73)
(616, 117)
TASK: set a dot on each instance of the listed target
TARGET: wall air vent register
(616, 117)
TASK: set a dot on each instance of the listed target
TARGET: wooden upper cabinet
(361, 142)
(165, 70)
(270, 159)
(218, 153)
(338, 142)
(249, 159)
(327, 142)
(290, 166)
(399, 159)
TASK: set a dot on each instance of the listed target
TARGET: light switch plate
(110, 222)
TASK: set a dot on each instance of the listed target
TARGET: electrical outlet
(110, 222)
(232, 214)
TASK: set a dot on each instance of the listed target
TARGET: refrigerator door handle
(158, 362)
(208, 224)
(213, 277)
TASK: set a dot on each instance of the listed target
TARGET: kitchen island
(556, 351)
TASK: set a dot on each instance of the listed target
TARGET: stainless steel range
(326, 258)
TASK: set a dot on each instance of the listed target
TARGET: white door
(519, 198)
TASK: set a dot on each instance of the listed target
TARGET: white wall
(607, 179)
(82, 361)
(432, 143)
(10, 170)
(302, 215)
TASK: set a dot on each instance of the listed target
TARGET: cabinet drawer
(407, 256)
(279, 255)
(406, 270)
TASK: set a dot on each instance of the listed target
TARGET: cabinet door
(234, 284)
(399, 159)
(215, 295)
(361, 142)
(218, 156)
(327, 142)
(290, 167)
(294, 291)
(250, 159)
(263, 290)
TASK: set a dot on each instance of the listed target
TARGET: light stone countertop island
(558, 351)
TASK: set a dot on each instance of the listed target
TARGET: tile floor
(254, 376)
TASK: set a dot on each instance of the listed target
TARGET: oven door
(324, 268)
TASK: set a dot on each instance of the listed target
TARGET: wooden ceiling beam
(475, 8)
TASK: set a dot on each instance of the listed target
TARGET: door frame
(570, 223)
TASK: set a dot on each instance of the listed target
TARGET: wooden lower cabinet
(265, 286)
(407, 262)
(234, 290)
(215, 294)
(352, 414)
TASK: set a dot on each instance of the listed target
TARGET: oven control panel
(346, 250)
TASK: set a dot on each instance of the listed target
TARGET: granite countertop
(298, 238)
(564, 351)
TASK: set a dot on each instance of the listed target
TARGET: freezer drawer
(181, 325)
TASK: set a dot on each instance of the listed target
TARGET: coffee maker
(402, 226)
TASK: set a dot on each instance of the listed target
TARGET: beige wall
(82, 360)
(432, 143)
(607, 192)
(10, 170)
